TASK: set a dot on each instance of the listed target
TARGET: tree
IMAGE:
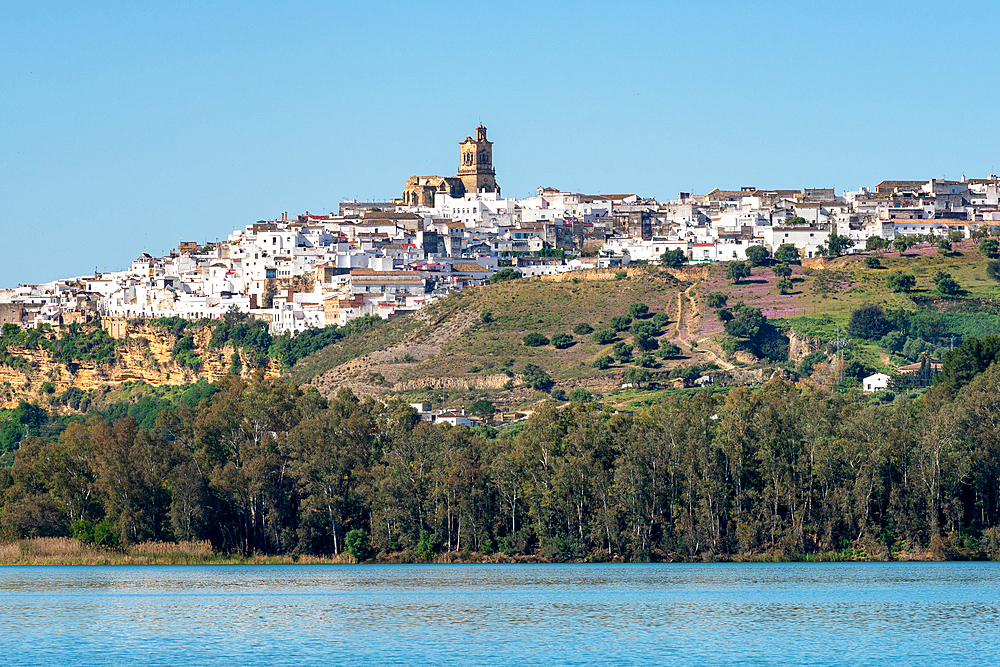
(943, 246)
(644, 341)
(622, 351)
(645, 360)
(620, 322)
(638, 310)
(637, 377)
(603, 362)
(562, 340)
(583, 329)
(901, 244)
(868, 322)
(989, 247)
(604, 336)
(758, 255)
(782, 270)
(580, 395)
(786, 253)
(504, 275)
(946, 284)
(716, 299)
(873, 263)
(875, 243)
(993, 269)
(900, 281)
(746, 323)
(534, 339)
(836, 245)
(482, 408)
(673, 259)
(736, 271)
(785, 286)
(356, 544)
(669, 350)
(536, 377)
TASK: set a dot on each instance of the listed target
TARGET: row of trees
(264, 466)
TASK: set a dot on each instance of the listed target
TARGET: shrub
(504, 275)
(785, 286)
(583, 329)
(536, 377)
(989, 247)
(758, 255)
(716, 299)
(673, 258)
(620, 322)
(621, 275)
(622, 351)
(809, 362)
(580, 395)
(993, 270)
(562, 340)
(736, 271)
(482, 408)
(786, 253)
(603, 362)
(558, 395)
(535, 340)
(605, 336)
(660, 320)
(356, 544)
(638, 310)
(782, 270)
(644, 341)
(946, 284)
(868, 322)
(900, 281)
(669, 350)
(873, 262)
(875, 243)
(645, 360)
(486, 317)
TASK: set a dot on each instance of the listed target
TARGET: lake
(777, 614)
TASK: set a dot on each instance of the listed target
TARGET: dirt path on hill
(376, 372)
(689, 321)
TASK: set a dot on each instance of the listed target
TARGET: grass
(384, 334)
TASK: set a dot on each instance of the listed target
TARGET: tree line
(265, 466)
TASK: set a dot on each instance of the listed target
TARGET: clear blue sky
(127, 127)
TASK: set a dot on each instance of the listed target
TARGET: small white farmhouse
(875, 382)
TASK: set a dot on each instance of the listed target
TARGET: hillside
(471, 344)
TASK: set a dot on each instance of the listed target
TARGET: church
(475, 174)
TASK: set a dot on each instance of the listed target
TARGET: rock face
(801, 346)
(143, 354)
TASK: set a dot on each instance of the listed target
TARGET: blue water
(781, 614)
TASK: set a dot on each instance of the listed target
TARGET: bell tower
(476, 163)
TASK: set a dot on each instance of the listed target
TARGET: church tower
(476, 165)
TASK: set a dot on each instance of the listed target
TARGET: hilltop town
(448, 233)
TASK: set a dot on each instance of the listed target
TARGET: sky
(128, 127)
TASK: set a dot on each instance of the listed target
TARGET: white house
(875, 382)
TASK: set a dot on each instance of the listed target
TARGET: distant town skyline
(128, 129)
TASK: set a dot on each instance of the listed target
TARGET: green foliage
(868, 322)
(660, 320)
(746, 322)
(644, 341)
(900, 281)
(837, 245)
(993, 269)
(238, 329)
(580, 395)
(486, 316)
(638, 310)
(622, 352)
(943, 245)
(758, 255)
(873, 262)
(482, 408)
(356, 544)
(786, 253)
(716, 299)
(503, 275)
(637, 376)
(989, 247)
(736, 271)
(603, 362)
(785, 286)
(536, 377)
(901, 244)
(965, 362)
(673, 259)
(620, 322)
(583, 329)
(535, 339)
(621, 275)
(562, 340)
(782, 270)
(604, 336)
(669, 351)
(875, 243)
(945, 284)
(645, 360)
(809, 362)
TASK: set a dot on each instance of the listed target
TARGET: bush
(746, 322)
(535, 340)
(605, 336)
(669, 350)
(645, 360)
(644, 341)
(504, 275)
(558, 395)
(873, 262)
(989, 247)
(482, 408)
(486, 317)
(900, 281)
(716, 299)
(946, 284)
(875, 243)
(758, 255)
(622, 351)
(536, 377)
(736, 271)
(621, 275)
(868, 322)
(583, 329)
(785, 286)
(620, 322)
(809, 362)
(638, 310)
(993, 270)
(356, 544)
(602, 363)
(660, 320)
(562, 340)
(580, 395)
(673, 258)
(782, 270)
(786, 253)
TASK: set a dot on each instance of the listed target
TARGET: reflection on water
(829, 614)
